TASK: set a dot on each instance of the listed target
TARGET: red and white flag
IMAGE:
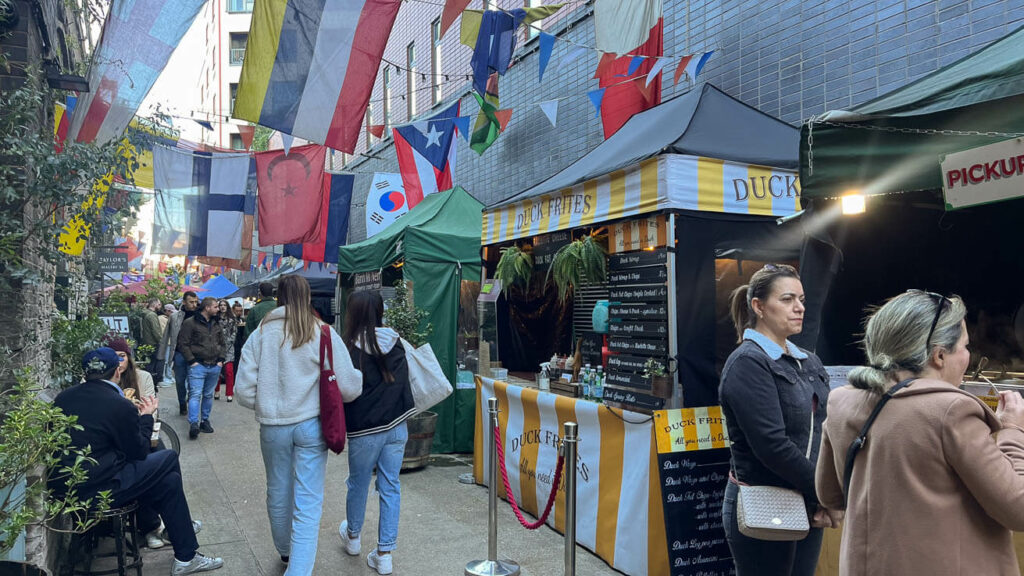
(290, 195)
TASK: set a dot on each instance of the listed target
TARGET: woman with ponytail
(773, 396)
(938, 485)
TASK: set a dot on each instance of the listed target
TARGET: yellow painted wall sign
(690, 429)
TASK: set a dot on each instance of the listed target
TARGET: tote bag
(332, 407)
(427, 380)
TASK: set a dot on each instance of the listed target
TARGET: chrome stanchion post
(569, 440)
(492, 566)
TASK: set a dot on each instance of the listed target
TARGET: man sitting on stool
(119, 434)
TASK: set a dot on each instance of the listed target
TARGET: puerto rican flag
(426, 154)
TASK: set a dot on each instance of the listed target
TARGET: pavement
(443, 523)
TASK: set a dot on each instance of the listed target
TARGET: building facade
(791, 59)
(226, 33)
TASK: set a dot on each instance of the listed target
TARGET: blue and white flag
(200, 203)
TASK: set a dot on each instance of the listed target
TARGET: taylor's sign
(984, 175)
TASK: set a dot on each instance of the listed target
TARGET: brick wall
(789, 58)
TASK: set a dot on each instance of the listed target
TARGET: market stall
(688, 195)
(435, 249)
(935, 170)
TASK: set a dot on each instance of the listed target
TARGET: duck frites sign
(984, 175)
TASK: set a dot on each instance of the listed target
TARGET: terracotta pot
(661, 386)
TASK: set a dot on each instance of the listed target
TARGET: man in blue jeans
(169, 347)
(201, 344)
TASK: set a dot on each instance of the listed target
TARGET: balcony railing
(237, 56)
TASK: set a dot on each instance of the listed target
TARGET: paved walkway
(443, 523)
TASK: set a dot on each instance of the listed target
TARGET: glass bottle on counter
(585, 381)
(597, 386)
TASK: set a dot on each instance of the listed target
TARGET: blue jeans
(385, 451)
(180, 368)
(201, 382)
(295, 458)
(755, 557)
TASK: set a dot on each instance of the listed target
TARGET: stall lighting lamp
(853, 204)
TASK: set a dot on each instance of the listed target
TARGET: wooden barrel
(421, 438)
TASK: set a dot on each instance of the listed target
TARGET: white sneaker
(154, 541)
(379, 562)
(197, 526)
(199, 563)
(352, 545)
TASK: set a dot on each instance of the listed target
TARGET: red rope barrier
(508, 489)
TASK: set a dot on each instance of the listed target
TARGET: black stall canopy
(891, 150)
(725, 170)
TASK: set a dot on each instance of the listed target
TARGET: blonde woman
(279, 377)
(939, 484)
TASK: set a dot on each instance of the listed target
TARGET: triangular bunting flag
(286, 141)
(503, 117)
(247, 133)
(305, 265)
(683, 63)
(634, 65)
(700, 65)
(462, 125)
(595, 97)
(377, 130)
(452, 9)
(547, 44)
(550, 109)
(606, 60)
(655, 70)
(568, 58)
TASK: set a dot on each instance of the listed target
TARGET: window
(238, 42)
(236, 142)
(240, 5)
(435, 62)
(369, 121)
(410, 80)
(387, 96)
(488, 4)
(533, 29)
(234, 94)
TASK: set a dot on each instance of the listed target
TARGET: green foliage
(34, 435)
(515, 267)
(578, 262)
(401, 314)
(654, 367)
(261, 139)
(70, 340)
(40, 189)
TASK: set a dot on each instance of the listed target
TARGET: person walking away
(166, 376)
(938, 488)
(377, 430)
(773, 396)
(201, 343)
(279, 377)
(170, 352)
(264, 304)
(117, 434)
(150, 334)
(229, 325)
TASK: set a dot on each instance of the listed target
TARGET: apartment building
(226, 25)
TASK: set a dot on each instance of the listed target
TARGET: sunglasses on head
(940, 303)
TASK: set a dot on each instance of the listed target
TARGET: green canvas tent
(896, 142)
(438, 243)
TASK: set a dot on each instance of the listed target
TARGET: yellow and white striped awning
(669, 181)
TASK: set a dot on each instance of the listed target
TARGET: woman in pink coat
(939, 482)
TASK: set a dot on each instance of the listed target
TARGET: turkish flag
(627, 94)
(290, 197)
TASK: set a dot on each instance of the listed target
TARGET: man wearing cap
(170, 352)
(118, 434)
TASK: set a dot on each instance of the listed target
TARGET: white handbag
(773, 513)
(428, 382)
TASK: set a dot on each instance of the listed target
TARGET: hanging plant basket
(515, 268)
(578, 262)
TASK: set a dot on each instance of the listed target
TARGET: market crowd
(274, 359)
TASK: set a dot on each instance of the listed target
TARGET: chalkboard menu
(638, 327)
(590, 348)
(693, 467)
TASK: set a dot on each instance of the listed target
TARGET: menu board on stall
(693, 467)
(638, 326)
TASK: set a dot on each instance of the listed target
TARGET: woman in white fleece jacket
(279, 376)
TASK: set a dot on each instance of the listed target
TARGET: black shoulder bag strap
(858, 442)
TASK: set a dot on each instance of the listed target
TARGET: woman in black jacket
(376, 425)
(773, 396)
